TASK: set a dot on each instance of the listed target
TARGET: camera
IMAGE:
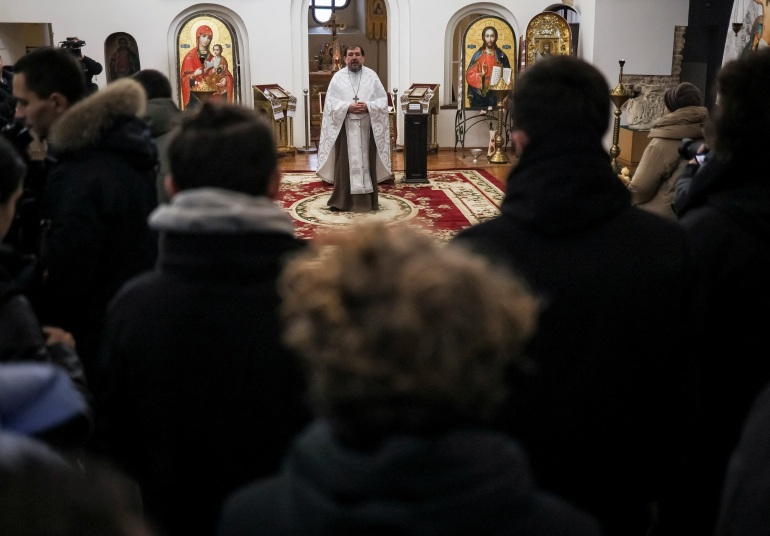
(73, 44)
(689, 150)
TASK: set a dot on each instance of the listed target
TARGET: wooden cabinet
(632, 144)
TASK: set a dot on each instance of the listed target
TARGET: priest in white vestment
(354, 147)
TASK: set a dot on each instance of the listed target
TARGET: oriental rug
(451, 201)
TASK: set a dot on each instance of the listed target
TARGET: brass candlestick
(618, 96)
(501, 91)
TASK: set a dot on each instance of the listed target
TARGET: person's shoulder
(339, 74)
(488, 238)
(704, 221)
(254, 505)
(645, 219)
(140, 289)
(480, 229)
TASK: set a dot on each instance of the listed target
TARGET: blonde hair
(400, 333)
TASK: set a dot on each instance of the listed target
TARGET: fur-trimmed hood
(88, 123)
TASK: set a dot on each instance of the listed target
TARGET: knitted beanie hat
(684, 94)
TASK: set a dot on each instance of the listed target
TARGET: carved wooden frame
(549, 28)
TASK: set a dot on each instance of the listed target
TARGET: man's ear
(520, 140)
(170, 186)
(60, 103)
(273, 183)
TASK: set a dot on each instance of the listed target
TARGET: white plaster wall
(641, 32)
(275, 44)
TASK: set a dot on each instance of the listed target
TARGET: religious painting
(489, 54)
(759, 32)
(376, 20)
(755, 37)
(207, 59)
(749, 28)
(548, 34)
(122, 55)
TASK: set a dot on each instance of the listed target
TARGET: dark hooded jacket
(200, 395)
(98, 196)
(601, 410)
(726, 212)
(457, 483)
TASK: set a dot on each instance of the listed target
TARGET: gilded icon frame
(547, 28)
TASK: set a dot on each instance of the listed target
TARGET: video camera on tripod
(73, 44)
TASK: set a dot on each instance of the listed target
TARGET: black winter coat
(727, 216)
(98, 197)
(201, 397)
(602, 410)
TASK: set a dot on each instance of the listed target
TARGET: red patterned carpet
(454, 200)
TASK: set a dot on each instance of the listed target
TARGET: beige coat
(653, 184)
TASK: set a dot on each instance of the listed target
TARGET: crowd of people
(175, 361)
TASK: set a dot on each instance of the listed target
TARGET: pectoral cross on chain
(355, 99)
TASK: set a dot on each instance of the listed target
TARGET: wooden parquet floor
(444, 158)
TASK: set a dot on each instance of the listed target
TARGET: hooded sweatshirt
(460, 482)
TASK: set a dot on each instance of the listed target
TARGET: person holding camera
(90, 66)
(694, 153)
(653, 184)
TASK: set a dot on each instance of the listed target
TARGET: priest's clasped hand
(358, 108)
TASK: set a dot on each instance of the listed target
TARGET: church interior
(292, 45)
(252, 322)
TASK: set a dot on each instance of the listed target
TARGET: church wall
(639, 31)
(276, 42)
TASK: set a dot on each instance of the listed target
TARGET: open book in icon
(499, 74)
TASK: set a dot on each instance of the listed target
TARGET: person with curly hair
(406, 344)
